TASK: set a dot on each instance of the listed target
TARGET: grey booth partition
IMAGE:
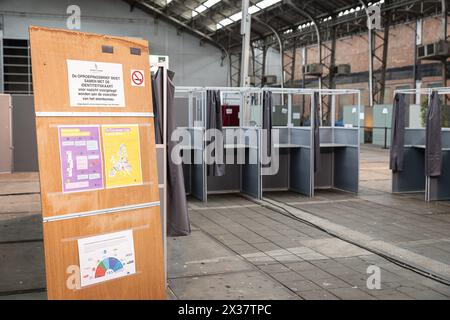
(295, 160)
(198, 167)
(6, 156)
(348, 117)
(439, 187)
(346, 159)
(194, 167)
(189, 105)
(24, 133)
(241, 148)
(412, 177)
(339, 159)
(301, 161)
(279, 180)
(250, 182)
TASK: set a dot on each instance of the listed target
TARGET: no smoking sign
(137, 78)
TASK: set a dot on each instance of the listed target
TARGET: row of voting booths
(420, 153)
(305, 152)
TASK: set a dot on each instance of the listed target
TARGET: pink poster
(81, 158)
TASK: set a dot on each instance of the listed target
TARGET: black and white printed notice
(98, 84)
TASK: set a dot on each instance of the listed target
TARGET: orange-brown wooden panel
(50, 50)
(55, 202)
(61, 255)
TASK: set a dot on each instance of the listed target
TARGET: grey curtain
(214, 121)
(157, 94)
(267, 119)
(316, 130)
(433, 150)
(396, 156)
(178, 223)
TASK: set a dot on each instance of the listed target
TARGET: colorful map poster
(122, 152)
(105, 257)
(81, 158)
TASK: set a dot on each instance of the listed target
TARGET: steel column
(370, 47)
(245, 33)
(444, 37)
(382, 83)
(293, 62)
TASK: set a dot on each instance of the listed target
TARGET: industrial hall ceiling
(296, 22)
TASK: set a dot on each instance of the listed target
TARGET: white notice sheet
(106, 257)
(93, 83)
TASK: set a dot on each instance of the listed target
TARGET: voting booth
(97, 166)
(338, 163)
(189, 105)
(291, 122)
(412, 176)
(314, 155)
(240, 143)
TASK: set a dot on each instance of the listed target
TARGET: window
(17, 66)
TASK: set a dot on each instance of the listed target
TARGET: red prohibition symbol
(137, 77)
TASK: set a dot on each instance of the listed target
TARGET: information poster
(94, 83)
(106, 257)
(81, 158)
(121, 149)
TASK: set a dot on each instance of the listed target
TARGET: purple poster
(81, 158)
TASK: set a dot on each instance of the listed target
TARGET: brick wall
(353, 50)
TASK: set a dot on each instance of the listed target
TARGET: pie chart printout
(106, 257)
(108, 266)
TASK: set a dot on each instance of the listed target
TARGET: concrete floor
(239, 249)
(399, 225)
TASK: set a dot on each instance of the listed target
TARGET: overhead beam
(202, 14)
(345, 20)
(175, 22)
(235, 25)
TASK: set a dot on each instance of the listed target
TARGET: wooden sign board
(97, 166)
